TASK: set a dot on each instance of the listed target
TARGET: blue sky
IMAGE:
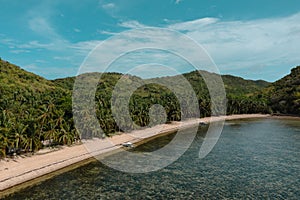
(254, 39)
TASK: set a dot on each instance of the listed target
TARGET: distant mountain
(237, 85)
(243, 96)
(284, 94)
(66, 83)
(234, 86)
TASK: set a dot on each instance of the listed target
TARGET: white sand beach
(24, 168)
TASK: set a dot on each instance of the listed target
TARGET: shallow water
(253, 159)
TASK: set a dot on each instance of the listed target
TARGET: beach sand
(25, 168)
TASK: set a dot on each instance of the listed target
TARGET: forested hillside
(284, 94)
(32, 110)
(242, 95)
(35, 112)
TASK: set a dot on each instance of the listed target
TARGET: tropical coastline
(22, 169)
(149, 100)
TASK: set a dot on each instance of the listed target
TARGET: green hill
(284, 94)
(243, 96)
(32, 110)
(239, 86)
(13, 78)
(22, 89)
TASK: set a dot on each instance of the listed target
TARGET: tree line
(37, 113)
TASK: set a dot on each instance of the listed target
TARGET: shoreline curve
(23, 171)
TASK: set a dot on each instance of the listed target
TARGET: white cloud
(193, 25)
(108, 6)
(132, 24)
(141, 39)
(19, 51)
(52, 40)
(66, 58)
(247, 48)
(85, 45)
(8, 42)
(106, 32)
(35, 45)
(243, 45)
(57, 42)
(41, 26)
(19, 47)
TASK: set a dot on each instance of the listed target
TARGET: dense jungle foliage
(36, 113)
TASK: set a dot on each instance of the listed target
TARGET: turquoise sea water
(253, 159)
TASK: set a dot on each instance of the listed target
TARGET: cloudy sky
(254, 39)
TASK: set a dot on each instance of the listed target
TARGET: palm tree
(32, 143)
(5, 141)
(52, 136)
(46, 117)
(19, 137)
(6, 123)
(65, 138)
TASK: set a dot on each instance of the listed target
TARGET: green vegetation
(284, 94)
(243, 96)
(35, 112)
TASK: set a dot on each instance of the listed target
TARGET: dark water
(253, 159)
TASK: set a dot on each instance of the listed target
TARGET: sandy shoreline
(22, 169)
